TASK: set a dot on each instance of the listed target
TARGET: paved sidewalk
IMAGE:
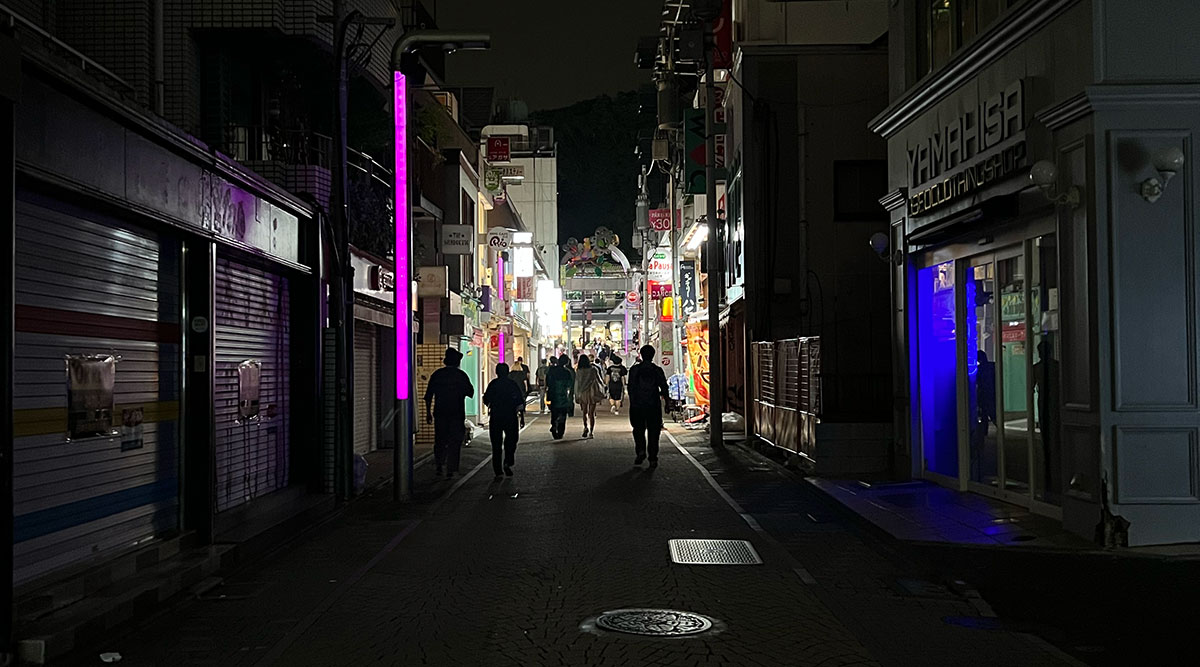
(510, 572)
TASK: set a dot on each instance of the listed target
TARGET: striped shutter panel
(252, 323)
(366, 387)
(87, 285)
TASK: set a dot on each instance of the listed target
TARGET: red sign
(660, 219)
(632, 297)
(1013, 333)
(659, 290)
(723, 37)
(498, 149)
(525, 289)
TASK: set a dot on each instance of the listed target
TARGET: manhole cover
(714, 552)
(654, 622)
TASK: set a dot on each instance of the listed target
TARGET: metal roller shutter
(86, 285)
(366, 387)
(252, 323)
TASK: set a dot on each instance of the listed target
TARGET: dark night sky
(550, 53)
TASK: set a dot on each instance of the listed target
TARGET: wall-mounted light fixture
(879, 243)
(1167, 162)
(1044, 174)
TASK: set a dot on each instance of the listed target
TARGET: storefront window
(937, 363)
(982, 418)
(941, 35)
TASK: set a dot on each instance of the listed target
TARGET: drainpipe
(159, 60)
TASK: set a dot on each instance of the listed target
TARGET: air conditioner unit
(449, 102)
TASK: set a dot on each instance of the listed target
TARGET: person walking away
(504, 397)
(449, 386)
(647, 390)
(520, 375)
(616, 384)
(541, 385)
(559, 390)
(589, 390)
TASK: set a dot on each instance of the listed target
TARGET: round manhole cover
(654, 622)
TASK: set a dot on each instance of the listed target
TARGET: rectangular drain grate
(714, 552)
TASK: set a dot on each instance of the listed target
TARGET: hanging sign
(659, 290)
(491, 180)
(499, 238)
(687, 288)
(498, 149)
(525, 288)
(458, 239)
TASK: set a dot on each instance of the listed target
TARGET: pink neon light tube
(501, 340)
(403, 269)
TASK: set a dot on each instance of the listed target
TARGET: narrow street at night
(908, 288)
(514, 572)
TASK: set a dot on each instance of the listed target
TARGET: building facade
(1044, 336)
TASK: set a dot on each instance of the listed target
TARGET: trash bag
(732, 421)
(360, 473)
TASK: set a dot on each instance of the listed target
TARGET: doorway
(986, 374)
(999, 447)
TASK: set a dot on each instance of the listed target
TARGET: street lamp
(402, 453)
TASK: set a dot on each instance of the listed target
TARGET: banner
(697, 351)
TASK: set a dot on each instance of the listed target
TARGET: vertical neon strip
(501, 339)
(403, 270)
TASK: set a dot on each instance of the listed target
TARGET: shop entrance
(998, 419)
(986, 377)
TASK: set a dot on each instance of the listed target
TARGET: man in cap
(448, 388)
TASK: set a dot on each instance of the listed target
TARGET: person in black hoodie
(505, 398)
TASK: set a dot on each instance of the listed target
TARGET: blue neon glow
(938, 367)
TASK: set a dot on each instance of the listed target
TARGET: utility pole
(405, 182)
(716, 373)
(643, 225)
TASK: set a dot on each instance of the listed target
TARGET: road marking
(712, 481)
(805, 576)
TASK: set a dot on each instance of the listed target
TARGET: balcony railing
(249, 143)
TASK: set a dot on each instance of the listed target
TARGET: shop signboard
(660, 267)
(687, 288)
(659, 290)
(660, 219)
(981, 146)
(525, 288)
(498, 149)
(499, 238)
(491, 180)
(433, 281)
(458, 239)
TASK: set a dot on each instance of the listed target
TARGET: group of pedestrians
(560, 385)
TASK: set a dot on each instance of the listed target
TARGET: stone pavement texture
(513, 572)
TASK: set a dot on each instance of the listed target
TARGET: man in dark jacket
(560, 386)
(448, 388)
(647, 390)
(505, 399)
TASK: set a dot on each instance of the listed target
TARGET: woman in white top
(589, 390)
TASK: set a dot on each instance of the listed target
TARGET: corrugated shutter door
(252, 323)
(86, 285)
(366, 387)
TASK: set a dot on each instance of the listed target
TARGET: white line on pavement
(712, 481)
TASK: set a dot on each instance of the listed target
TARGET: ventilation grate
(714, 552)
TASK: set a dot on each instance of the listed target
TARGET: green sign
(491, 180)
